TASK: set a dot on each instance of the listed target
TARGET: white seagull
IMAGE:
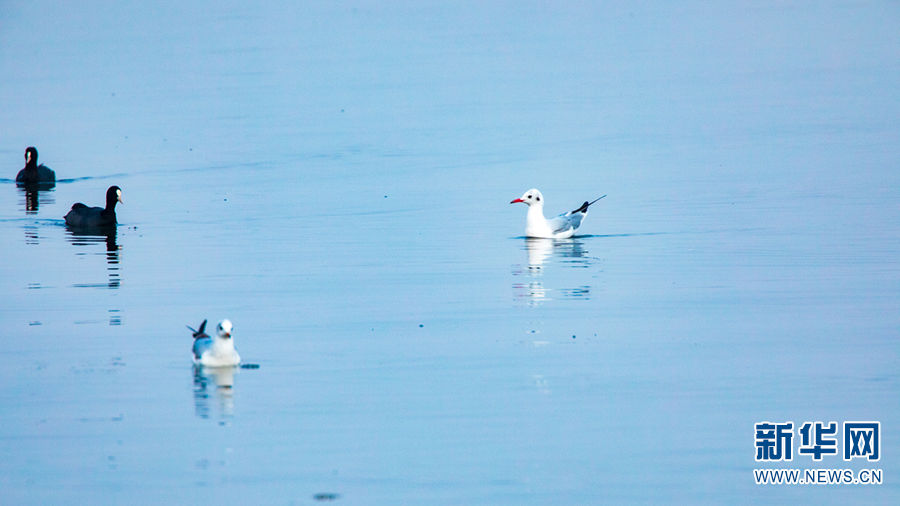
(218, 351)
(560, 227)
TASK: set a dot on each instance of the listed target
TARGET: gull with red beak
(559, 227)
(215, 351)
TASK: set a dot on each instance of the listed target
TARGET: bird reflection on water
(214, 381)
(90, 238)
(544, 254)
(36, 194)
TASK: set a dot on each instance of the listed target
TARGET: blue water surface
(335, 178)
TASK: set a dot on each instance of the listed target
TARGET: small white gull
(215, 351)
(559, 227)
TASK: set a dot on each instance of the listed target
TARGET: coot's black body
(84, 216)
(34, 173)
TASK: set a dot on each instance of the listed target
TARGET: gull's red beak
(517, 200)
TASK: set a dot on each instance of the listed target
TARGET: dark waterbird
(34, 173)
(84, 216)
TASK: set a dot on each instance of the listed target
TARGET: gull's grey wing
(571, 219)
(566, 221)
(201, 345)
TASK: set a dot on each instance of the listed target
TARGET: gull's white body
(217, 351)
(558, 227)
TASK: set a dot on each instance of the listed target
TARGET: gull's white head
(224, 329)
(531, 197)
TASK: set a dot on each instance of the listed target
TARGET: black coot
(34, 173)
(84, 216)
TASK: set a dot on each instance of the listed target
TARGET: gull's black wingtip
(584, 207)
(199, 332)
(596, 199)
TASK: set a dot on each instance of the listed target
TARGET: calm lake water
(335, 180)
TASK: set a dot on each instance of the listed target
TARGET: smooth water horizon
(335, 179)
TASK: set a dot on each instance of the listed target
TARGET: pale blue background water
(335, 179)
